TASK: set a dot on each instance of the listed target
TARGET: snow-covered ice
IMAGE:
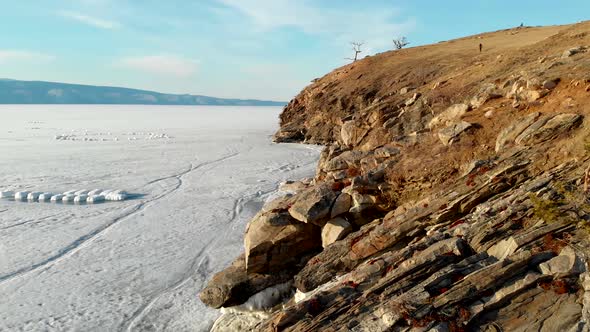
(196, 175)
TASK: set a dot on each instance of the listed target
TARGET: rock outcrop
(451, 194)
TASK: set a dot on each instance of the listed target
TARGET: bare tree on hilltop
(356, 47)
(400, 43)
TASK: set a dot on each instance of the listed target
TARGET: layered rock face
(452, 195)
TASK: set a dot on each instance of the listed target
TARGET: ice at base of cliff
(134, 264)
(243, 317)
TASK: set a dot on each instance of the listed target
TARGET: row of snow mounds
(71, 196)
(101, 138)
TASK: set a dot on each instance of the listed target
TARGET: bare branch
(400, 43)
(356, 47)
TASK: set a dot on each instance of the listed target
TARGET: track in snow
(199, 265)
(87, 239)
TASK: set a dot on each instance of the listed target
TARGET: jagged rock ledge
(452, 195)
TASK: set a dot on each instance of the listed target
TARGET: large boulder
(312, 206)
(289, 133)
(341, 205)
(510, 133)
(563, 265)
(352, 133)
(343, 161)
(274, 240)
(362, 202)
(336, 229)
(549, 127)
(233, 286)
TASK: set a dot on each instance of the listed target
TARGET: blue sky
(266, 49)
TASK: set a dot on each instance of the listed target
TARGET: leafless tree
(400, 43)
(356, 47)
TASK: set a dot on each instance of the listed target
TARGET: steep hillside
(35, 92)
(452, 195)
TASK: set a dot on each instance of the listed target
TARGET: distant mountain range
(37, 92)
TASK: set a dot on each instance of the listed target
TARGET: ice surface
(138, 264)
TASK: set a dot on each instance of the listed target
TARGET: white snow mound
(34, 196)
(117, 195)
(45, 197)
(94, 192)
(21, 195)
(80, 198)
(57, 198)
(6, 194)
(95, 199)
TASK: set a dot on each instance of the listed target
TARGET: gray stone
(487, 92)
(505, 293)
(573, 51)
(510, 133)
(563, 265)
(343, 161)
(233, 286)
(362, 202)
(386, 151)
(274, 240)
(449, 116)
(449, 134)
(504, 248)
(404, 90)
(550, 84)
(549, 127)
(313, 205)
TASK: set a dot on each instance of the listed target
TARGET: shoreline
(451, 195)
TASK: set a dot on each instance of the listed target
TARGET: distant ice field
(194, 177)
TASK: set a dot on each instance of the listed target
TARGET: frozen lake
(198, 173)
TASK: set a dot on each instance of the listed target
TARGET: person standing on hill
(480, 47)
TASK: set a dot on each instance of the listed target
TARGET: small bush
(546, 210)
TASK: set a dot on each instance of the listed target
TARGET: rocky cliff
(452, 195)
